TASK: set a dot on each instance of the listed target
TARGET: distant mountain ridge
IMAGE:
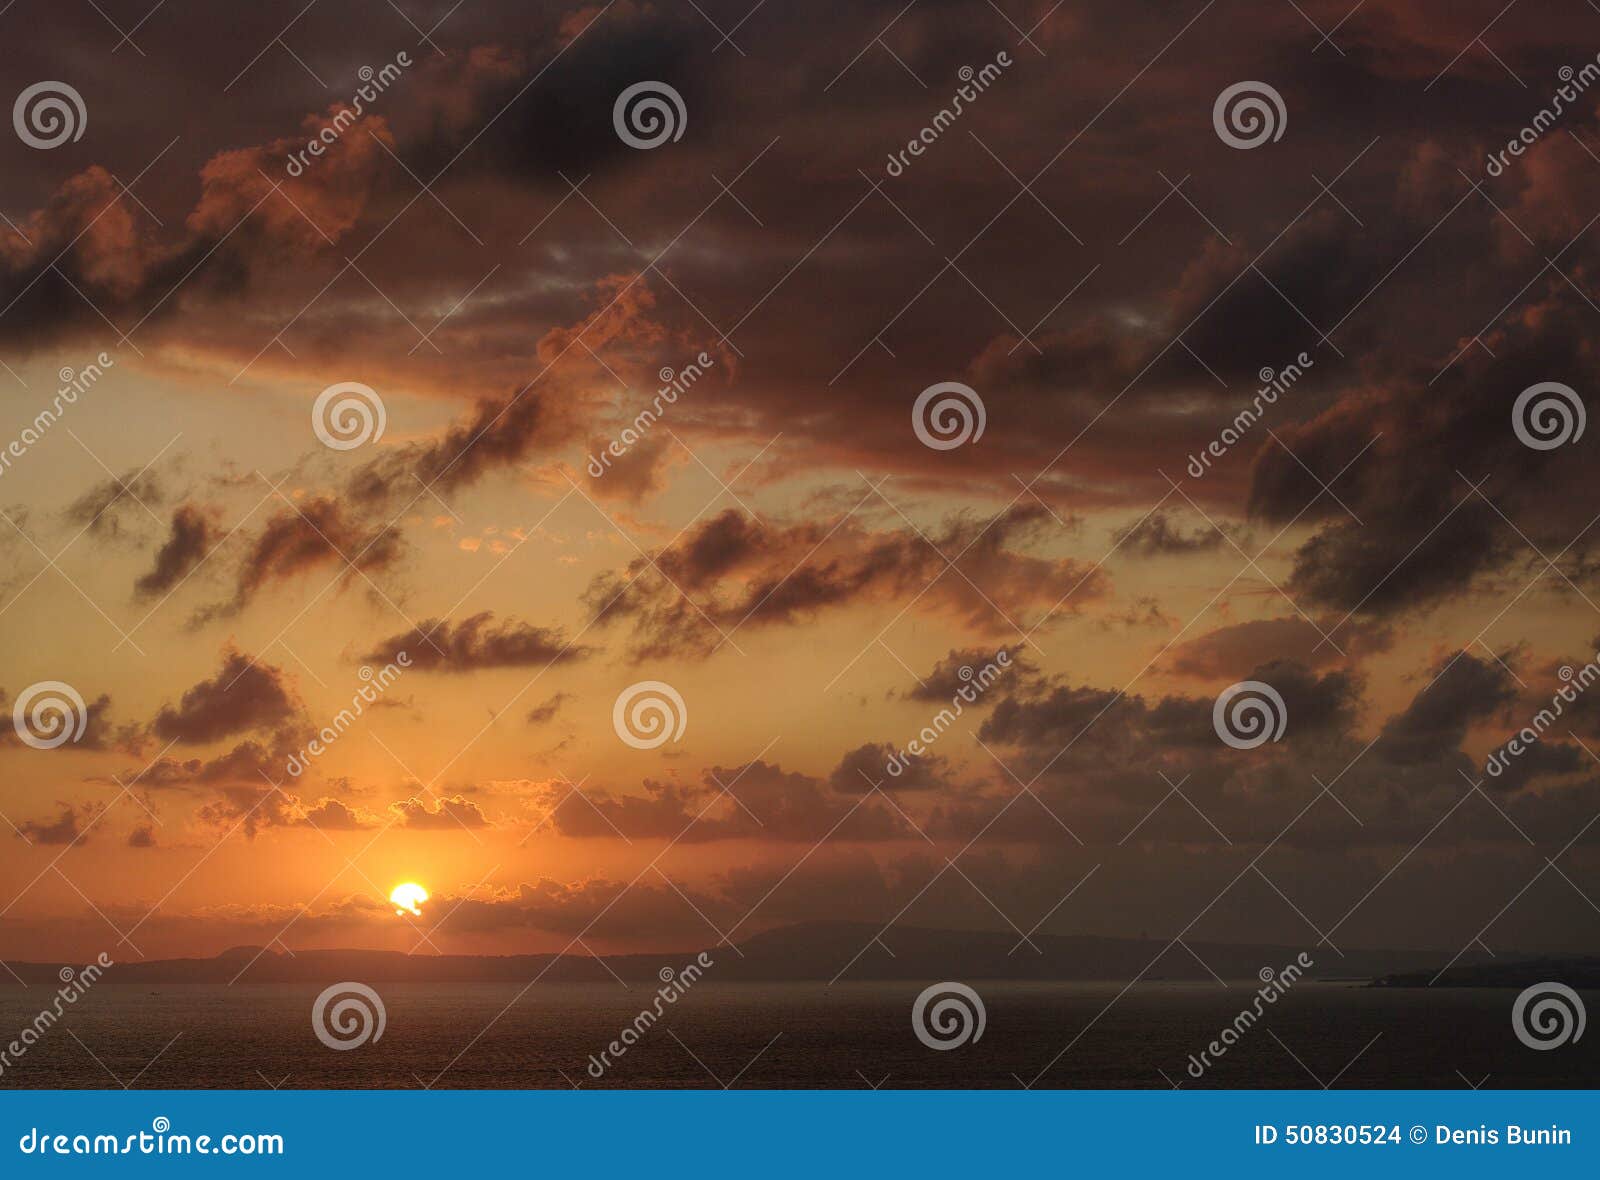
(1582, 972)
(809, 951)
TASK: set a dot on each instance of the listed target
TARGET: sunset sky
(1080, 246)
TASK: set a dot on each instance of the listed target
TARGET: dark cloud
(1317, 704)
(1126, 724)
(102, 508)
(638, 473)
(250, 808)
(451, 814)
(1463, 691)
(758, 801)
(500, 432)
(437, 645)
(331, 815)
(957, 670)
(319, 533)
(1443, 495)
(249, 763)
(1545, 759)
(867, 766)
(258, 806)
(546, 710)
(99, 732)
(1156, 535)
(68, 828)
(1229, 652)
(1064, 714)
(191, 537)
(244, 695)
(732, 570)
(527, 135)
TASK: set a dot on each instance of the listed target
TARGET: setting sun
(408, 898)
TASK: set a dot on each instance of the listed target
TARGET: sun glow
(408, 898)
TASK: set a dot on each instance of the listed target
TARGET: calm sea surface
(786, 1035)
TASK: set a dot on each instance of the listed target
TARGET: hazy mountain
(1578, 972)
(811, 951)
